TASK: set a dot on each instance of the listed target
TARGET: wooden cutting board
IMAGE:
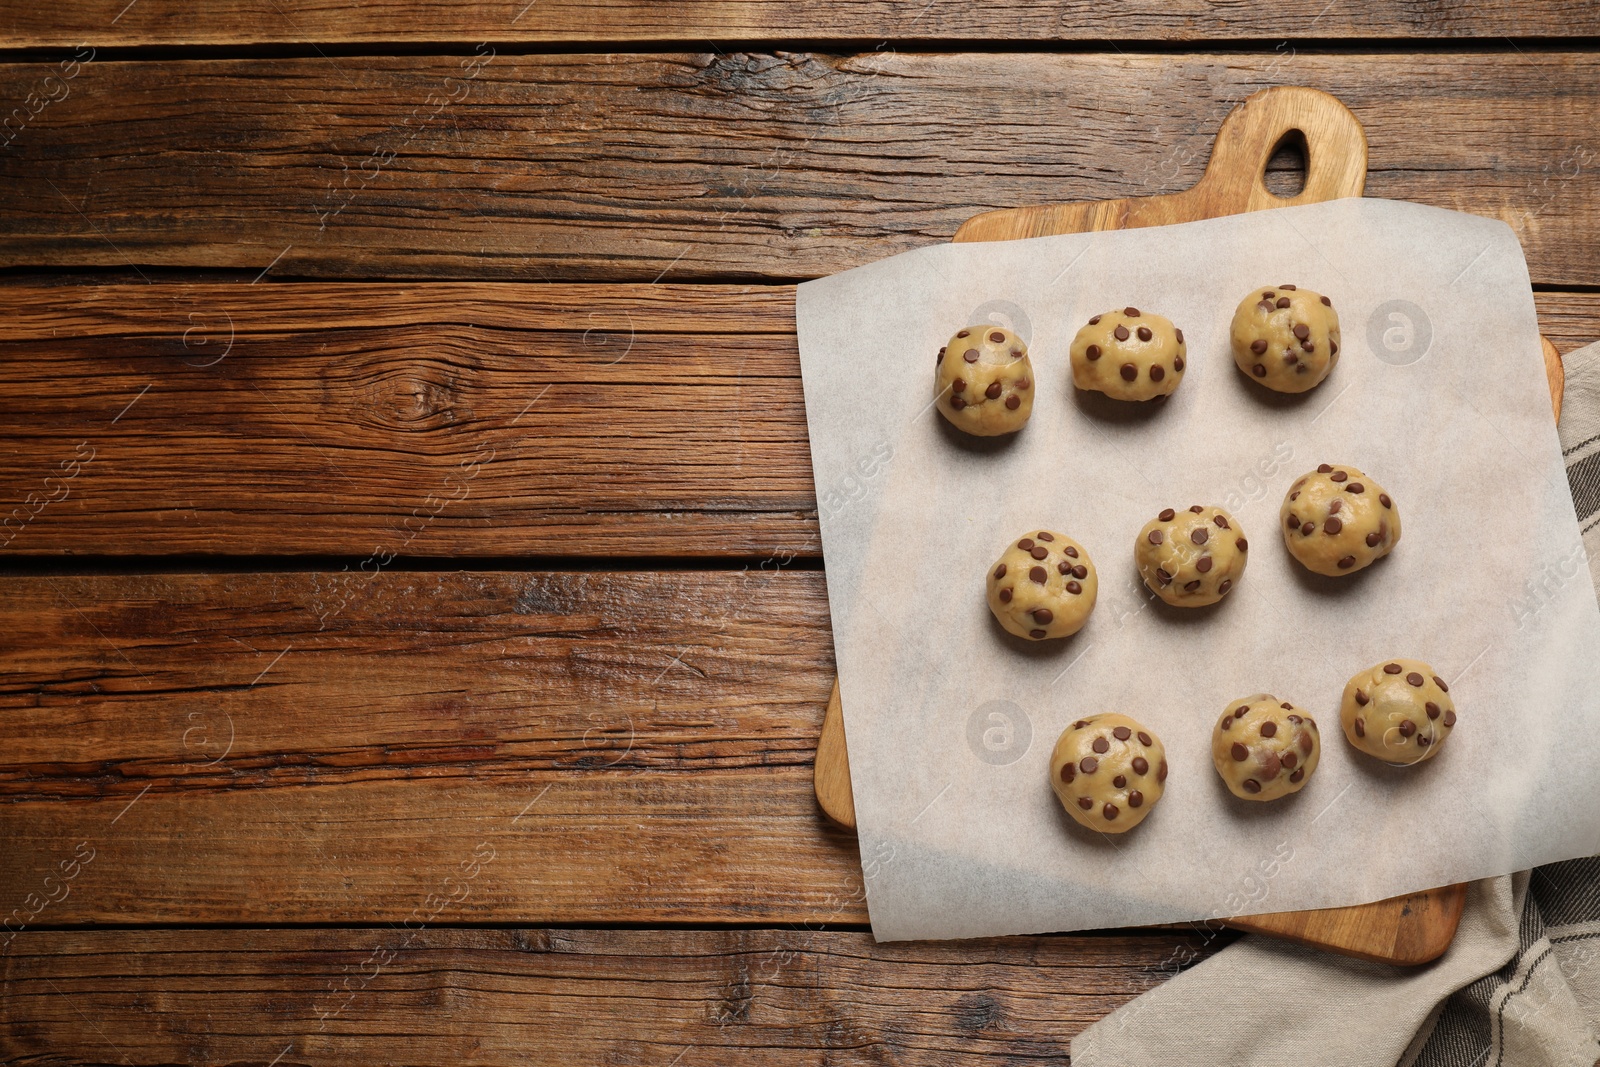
(1408, 929)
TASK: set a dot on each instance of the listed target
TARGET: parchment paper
(1439, 395)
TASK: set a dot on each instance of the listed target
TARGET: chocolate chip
(1141, 765)
(1177, 363)
(1294, 520)
(1374, 539)
(1332, 526)
(1101, 745)
(1269, 296)
(1383, 498)
(1361, 728)
(1179, 335)
(1120, 781)
(1355, 487)
(1301, 330)
(1252, 786)
(1415, 679)
(1222, 521)
(1023, 383)
(1440, 683)
(1026, 544)
(1347, 562)
(1080, 571)
(1333, 348)
(970, 355)
(1242, 545)
(1297, 775)
(1333, 508)
(1203, 565)
(993, 392)
(1307, 527)
(1192, 586)
(1094, 320)
(1093, 352)
(1016, 353)
(1407, 727)
(957, 403)
(1285, 705)
(1199, 534)
(1290, 288)
(1156, 537)
(940, 357)
(959, 385)
(1085, 803)
(1289, 759)
(1258, 346)
(1391, 668)
(1005, 596)
(1265, 305)
(1362, 698)
(1269, 729)
(1068, 772)
(1162, 576)
(1039, 552)
(1037, 574)
(1423, 740)
(1324, 468)
(1241, 711)
(1135, 799)
(1157, 372)
(963, 333)
(1080, 724)
(1120, 333)
(1109, 811)
(1337, 476)
(1227, 721)
(1074, 587)
(1259, 370)
(1000, 571)
(1129, 372)
(1036, 634)
(1290, 358)
(1283, 302)
(1013, 402)
(1063, 567)
(1307, 741)
(1432, 709)
(1326, 302)
(1132, 313)
(1088, 764)
(1069, 550)
(1295, 495)
(1043, 616)
(1227, 584)
(1045, 535)
(1161, 772)
(1166, 515)
(1240, 752)
(1144, 333)
(997, 337)
(1271, 764)
(1449, 718)
(1144, 738)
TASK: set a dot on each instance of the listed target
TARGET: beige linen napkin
(1519, 986)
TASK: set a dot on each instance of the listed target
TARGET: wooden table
(414, 634)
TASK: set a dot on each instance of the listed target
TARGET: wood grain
(726, 166)
(342, 408)
(315, 747)
(225, 22)
(515, 996)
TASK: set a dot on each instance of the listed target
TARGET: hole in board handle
(1287, 166)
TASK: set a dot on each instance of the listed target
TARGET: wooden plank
(628, 167)
(564, 996)
(404, 420)
(233, 22)
(311, 747)
(339, 420)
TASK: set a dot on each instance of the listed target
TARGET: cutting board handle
(1335, 144)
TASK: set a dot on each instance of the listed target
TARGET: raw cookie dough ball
(1043, 586)
(1265, 748)
(1398, 711)
(1129, 355)
(985, 381)
(1108, 771)
(1336, 520)
(1286, 338)
(1191, 558)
